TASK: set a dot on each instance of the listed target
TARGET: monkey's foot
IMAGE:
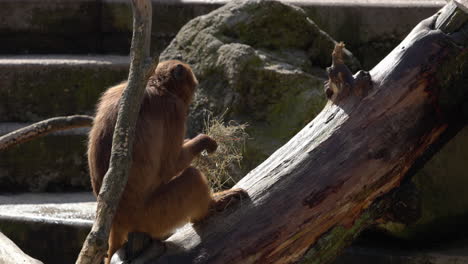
(225, 199)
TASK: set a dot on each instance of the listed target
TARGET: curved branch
(43, 128)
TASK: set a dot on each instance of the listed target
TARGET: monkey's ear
(179, 72)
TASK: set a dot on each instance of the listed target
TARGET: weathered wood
(141, 66)
(319, 190)
(12, 254)
(43, 128)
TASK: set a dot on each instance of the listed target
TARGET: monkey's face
(177, 78)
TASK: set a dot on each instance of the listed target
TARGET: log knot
(341, 83)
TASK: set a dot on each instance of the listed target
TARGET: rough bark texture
(318, 191)
(433, 203)
(96, 244)
(43, 128)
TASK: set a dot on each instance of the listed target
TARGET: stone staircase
(57, 56)
(37, 87)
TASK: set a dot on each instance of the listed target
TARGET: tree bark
(141, 67)
(43, 128)
(317, 192)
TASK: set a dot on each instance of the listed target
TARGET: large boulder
(263, 62)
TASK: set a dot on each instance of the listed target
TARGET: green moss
(51, 163)
(48, 242)
(302, 104)
(256, 30)
(331, 244)
(283, 103)
(59, 91)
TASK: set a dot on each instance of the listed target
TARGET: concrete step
(36, 87)
(48, 227)
(54, 163)
(87, 26)
(54, 25)
(371, 28)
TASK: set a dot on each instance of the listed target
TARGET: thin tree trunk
(141, 67)
(317, 192)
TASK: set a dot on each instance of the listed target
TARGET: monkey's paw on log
(139, 243)
(228, 198)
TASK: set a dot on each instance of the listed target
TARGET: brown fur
(162, 192)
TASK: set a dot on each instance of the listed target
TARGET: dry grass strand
(221, 166)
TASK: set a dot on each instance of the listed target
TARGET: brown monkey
(163, 192)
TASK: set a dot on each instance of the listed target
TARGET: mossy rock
(262, 61)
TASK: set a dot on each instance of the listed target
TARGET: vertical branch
(96, 244)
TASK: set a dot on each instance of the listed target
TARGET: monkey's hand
(205, 142)
(225, 199)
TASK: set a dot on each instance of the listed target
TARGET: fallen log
(317, 192)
